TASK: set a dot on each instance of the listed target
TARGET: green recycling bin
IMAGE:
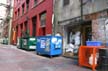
(5, 41)
(29, 43)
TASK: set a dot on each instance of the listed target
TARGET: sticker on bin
(93, 43)
(32, 39)
(32, 47)
(38, 40)
(54, 40)
(43, 43)
(58, 44)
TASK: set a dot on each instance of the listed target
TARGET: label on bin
(43, 43)
(24, 41)
(47, 45)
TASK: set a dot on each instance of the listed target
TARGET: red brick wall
(46, 5)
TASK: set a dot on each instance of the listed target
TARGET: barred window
(66, 2)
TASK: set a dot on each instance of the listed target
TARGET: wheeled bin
(49, 45)
(85, 53)
(29, 43)
(5, 41)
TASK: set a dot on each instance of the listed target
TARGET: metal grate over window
(66, 2)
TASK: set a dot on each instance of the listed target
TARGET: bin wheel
(18, 47)
(51, 56)
(37, 53)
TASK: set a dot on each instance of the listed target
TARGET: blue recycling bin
(49, 45)
(93, 43)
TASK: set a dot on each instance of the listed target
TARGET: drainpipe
(10, 23)
(81, 11)
(53, 18)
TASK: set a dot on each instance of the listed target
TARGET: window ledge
(42, 26)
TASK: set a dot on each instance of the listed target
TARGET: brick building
(34, 16)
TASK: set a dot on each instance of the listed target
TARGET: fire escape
(5, 24)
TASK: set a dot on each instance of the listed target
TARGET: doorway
(86, 32)
(72, 30)
(21, 28)
(85, 35)
(16, 33)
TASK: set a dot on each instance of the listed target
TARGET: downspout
(81, 11)
(53, 18)
(9, 27)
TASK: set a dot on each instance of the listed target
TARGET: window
(26, 29)
(35, 2)
(26, 25)
(43, 19)
(18, 12)
(66, 2)
(15, 14)
(27, 4)
(23, 9)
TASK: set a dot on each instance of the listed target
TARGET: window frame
(18, 12)
(23, 6)
(27, 4)
(43, 17)
(35, 2)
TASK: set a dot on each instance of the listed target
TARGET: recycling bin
(93, 43)
(49, 45)
(5, 41)
(29, 43)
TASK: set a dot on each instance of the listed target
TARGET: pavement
(13, 59)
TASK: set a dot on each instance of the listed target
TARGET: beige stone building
(89, 17)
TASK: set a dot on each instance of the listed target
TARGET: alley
(13, 59)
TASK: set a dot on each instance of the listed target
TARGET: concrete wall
(63, 13)
(74, 10)
(94, 6)
(70, 11)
